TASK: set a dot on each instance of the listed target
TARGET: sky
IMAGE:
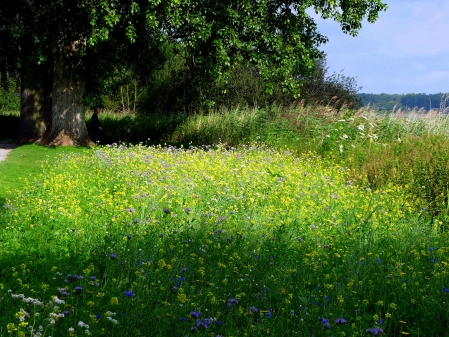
(405, 51)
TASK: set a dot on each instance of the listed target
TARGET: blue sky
(405, 51)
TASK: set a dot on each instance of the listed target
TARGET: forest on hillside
(409, 101)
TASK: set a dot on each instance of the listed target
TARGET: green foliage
(8, 100)
(406, 102)
(136, 128)
(171, 89)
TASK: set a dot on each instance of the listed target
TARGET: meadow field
(298, 222)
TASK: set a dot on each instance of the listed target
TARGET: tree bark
(32, 124)
(67, 125)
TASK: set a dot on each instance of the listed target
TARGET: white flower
(83, 325)
(57, 300)
(345, 136)
(87, 332)
(361, 127)
(71, 329)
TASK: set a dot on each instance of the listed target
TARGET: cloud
(406, 50)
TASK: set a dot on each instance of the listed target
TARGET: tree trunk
(32, 124)
(68, 126)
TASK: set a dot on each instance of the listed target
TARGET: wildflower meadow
(217, 241)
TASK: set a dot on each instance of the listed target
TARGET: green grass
(262, 242)
(24, 163)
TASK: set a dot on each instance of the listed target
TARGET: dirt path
(5, 148)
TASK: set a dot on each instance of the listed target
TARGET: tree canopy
(69, 40)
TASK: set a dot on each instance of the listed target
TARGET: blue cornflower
(254, 310)
(380, 322)
(128, 293)
(98, 316)
(446, 290)
(341, 320)
(184, 269)
(374, 331)
(113, 256)
(232, 301)
(433, 260)
(194, 314)
(78, 289)
(325, 323)
(181, 279)
(66, 313)
(92, 278)
(182, 319)
(326, 298)
(378, 260)
(268, 314)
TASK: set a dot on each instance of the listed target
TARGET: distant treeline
(404, 101)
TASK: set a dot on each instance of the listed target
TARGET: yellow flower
(114, 301)
(11, 327)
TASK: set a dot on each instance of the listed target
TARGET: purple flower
(374, 331)
(325, 323)
(312, 226)
(340, 321)
(66, 313)
(78, 289)
(92, 278)
(113, 256)
(254, 310)
(166, 210)
(184, 269)
(232, 301)
(194, 314)
(187, 210)
(129, 236)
